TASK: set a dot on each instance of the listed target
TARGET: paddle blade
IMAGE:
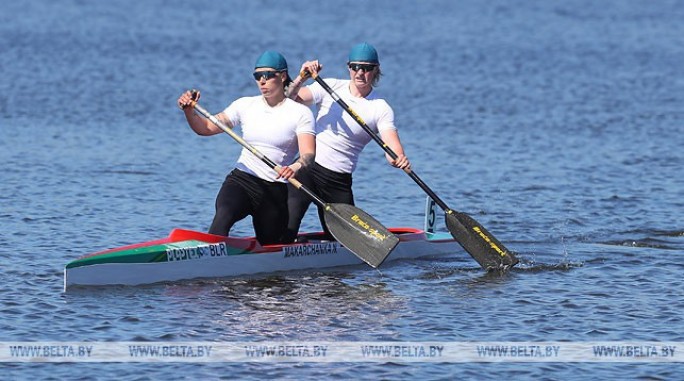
(360, 233)
(479, 243)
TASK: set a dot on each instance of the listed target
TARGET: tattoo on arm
(306, 159)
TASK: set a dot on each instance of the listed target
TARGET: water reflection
(297, 305)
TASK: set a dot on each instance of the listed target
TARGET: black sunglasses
(364, 67)
(258, 75)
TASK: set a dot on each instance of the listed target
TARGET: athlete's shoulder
(296, 106)
(334, 83)
(245, 101)
(337, 83)
(377, 100)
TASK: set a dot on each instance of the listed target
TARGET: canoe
(188, 254)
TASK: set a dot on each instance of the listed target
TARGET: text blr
(199, 252)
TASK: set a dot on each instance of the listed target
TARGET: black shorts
(243, 195)
(331, 186)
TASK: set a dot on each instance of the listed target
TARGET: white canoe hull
(181, 261)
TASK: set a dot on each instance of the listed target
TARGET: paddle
(475, 239)
(355, 229)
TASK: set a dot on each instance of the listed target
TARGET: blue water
(558, 125)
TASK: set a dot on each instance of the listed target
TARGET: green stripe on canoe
(150, 254)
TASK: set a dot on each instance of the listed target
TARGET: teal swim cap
(363, 52)
(271, 59)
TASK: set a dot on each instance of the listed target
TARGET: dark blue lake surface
(558, 125)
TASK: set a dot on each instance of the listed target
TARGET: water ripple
(556, 125)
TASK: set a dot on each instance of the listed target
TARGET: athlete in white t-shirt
(276, 126)
(339, 138)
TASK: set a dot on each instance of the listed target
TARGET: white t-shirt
(339, 139)
(271, 130)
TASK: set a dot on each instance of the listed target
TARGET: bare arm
(391, 138)
(299, 93)
(307, 153)
(307, 150)
(303, 96)
(200, 125)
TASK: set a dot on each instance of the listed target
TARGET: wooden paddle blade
(479, 243)
(360, 233)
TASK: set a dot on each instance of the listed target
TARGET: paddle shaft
(297, 184)
(382, 144)
(474, 238)
(355, 229)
